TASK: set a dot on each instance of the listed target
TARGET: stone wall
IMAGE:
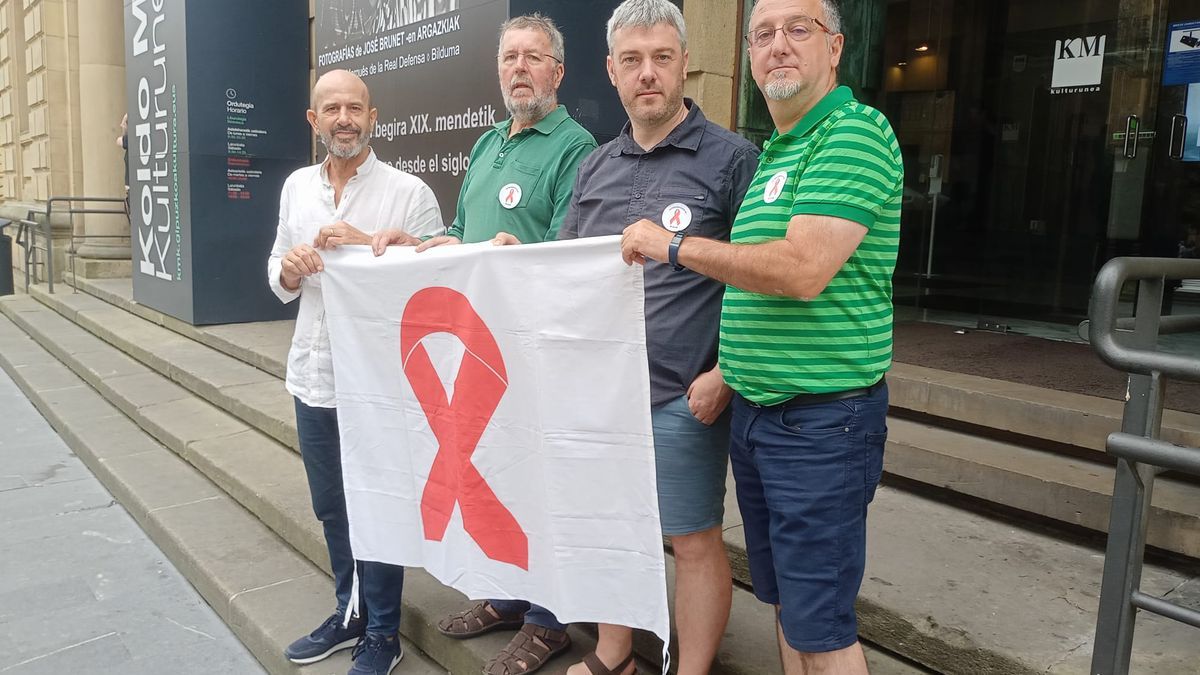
(714, 44)
(40, 145)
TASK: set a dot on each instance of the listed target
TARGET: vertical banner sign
(156, 63)
(216, 93)
(431, 68)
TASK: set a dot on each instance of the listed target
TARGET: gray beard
(781, 90)
(532, 110)
(343, 152)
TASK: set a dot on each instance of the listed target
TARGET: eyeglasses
(797, 30)
(532, 59)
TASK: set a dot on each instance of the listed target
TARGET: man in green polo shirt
(519, 178)
(806, 330)
(517, 189)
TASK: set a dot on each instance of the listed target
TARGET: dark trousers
(534, 614)
(380, 584)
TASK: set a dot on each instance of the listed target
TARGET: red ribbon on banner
(458, 424)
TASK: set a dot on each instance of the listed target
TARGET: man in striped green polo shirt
(806, 330)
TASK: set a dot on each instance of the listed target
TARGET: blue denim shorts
(692, 461)
(804, 475)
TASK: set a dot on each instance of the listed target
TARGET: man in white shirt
(343, 200)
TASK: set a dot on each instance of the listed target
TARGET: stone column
(101, 105)
(713, 44)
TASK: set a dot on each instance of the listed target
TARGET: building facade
(61, 102)
(1040, 139)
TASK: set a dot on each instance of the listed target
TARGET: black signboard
(431, 69)
(216, 96)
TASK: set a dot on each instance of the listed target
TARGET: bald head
(341, 114)
(339, 82)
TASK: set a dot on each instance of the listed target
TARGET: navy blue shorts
(804, 475)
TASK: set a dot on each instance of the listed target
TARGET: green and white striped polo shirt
(841, 160)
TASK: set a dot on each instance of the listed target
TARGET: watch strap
(673, 250)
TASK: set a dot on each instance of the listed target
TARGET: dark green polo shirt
(521, 185)
(841, 160)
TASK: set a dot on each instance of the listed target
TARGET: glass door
(1013, 119)
(1171, 208)
(1039, 141)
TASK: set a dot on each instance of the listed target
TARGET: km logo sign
(1079, 47)
(1078, 64)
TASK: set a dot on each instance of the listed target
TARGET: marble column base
(104, 249)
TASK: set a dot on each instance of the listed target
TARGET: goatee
(781, 89)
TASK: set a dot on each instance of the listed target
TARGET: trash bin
(6, 269)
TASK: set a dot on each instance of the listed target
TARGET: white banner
(494, 406)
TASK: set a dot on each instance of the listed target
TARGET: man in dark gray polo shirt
(672, 166)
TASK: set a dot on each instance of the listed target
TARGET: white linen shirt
(377, 197)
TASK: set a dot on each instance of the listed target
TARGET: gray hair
(540, 22)
(833, 15)
(645, 14)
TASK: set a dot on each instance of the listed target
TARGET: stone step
(267, 478)
(95, 268)
(1059, 417)
(258, 584)
(1043, 483)
(1073, 490)
(263, 345)
(255, 396)
(962, 592)
(957, 591)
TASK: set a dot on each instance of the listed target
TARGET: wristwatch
(673, 250)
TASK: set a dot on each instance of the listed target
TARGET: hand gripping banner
(459, 423)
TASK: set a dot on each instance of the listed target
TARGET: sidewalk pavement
(82, 588)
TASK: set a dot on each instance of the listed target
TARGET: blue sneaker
(376, 655)
(328, 638)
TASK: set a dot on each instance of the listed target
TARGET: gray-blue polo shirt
(694, 180)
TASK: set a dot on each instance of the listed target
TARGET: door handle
(1178, 134)
(1132, 124)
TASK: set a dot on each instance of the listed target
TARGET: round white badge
(774, 187)
(677, 217)
(510, 196)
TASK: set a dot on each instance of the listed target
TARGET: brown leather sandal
(597, 667)
(481, 618)
(529, 650)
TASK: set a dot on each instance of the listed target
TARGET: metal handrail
(1130, 345)
(24, 228)
(1106, 295)
(72, 211)
(27, 235)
